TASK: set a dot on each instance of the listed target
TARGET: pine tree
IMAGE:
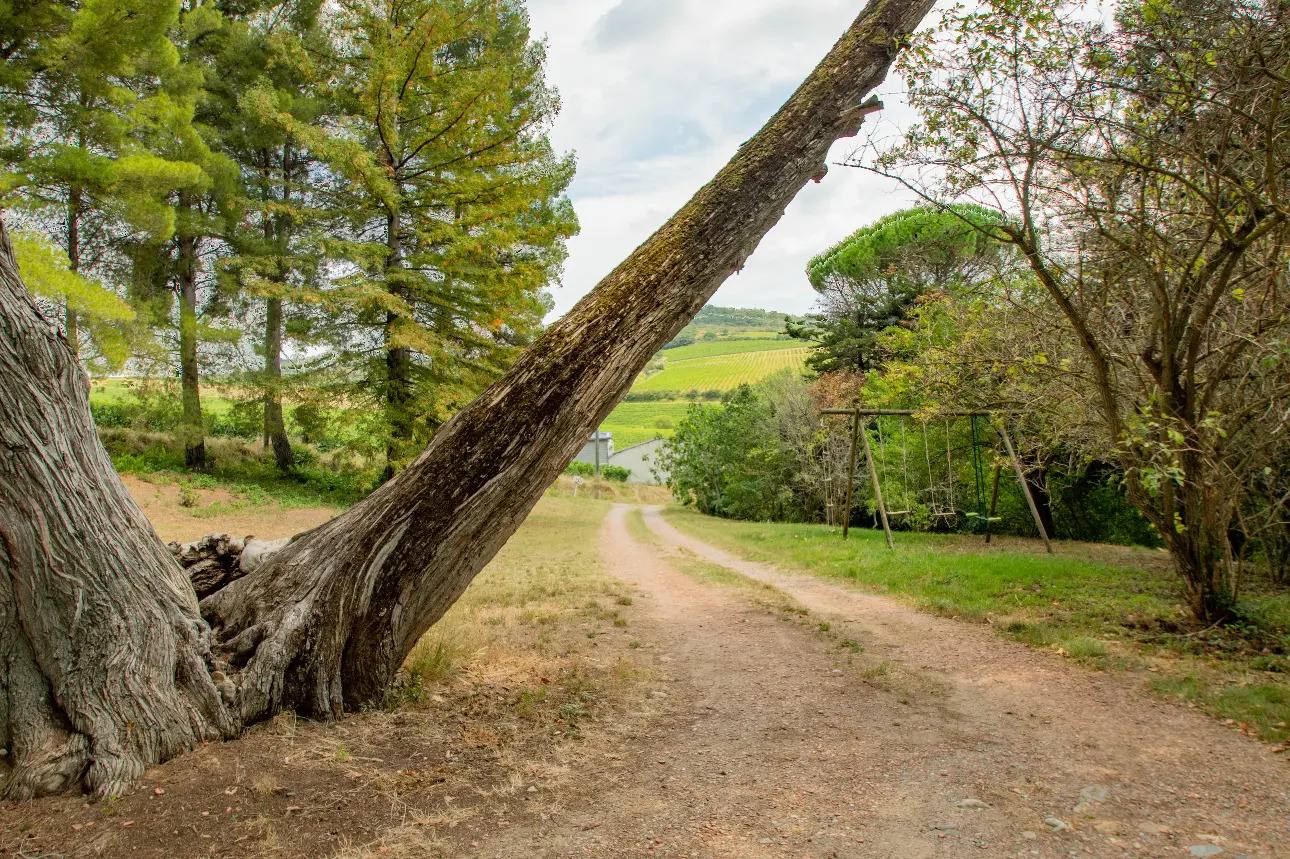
(455, 201)
(264, 69)
(81, 83)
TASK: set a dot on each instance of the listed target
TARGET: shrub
(615, 472)
(581, 469)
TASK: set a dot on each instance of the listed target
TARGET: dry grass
(500, 706)
(610, 490)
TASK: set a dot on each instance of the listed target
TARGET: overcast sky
(658, 94)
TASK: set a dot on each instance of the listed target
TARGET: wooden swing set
(942, 504)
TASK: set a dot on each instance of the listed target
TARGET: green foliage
(615, 472)
(727, 462)
(872, 280)
(453, 196)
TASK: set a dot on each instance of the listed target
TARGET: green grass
(723, 372)
(253, 479)
(713, 348)
(951, 575)
(120, 391)
(1121, 611)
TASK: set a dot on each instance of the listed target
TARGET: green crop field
(723, 372)
(633, 423)
(713, 348)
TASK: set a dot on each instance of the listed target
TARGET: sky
(658, 94)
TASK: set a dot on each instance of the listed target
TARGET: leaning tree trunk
(324, 624)
(327, 623)
(102, 649)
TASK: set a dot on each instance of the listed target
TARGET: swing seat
(897, 512)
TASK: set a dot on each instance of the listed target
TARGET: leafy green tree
(455, 201)
(262, 70)
(1141, 172)
(82, 86)
(871, 280)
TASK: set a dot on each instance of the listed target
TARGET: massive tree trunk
(102, 649)
(323, 625)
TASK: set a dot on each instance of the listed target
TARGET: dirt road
(940, 739)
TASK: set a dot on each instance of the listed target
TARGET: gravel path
(940, 739)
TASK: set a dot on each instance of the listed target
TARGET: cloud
(658, 94)
(633, 21)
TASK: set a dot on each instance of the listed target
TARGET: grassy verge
(244, 470)
(1107, 607)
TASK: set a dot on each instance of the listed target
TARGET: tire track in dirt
(1028, 731)
(777, 741)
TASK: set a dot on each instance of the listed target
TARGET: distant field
(633, 423)
(214, 400)
(723, 372)
(713, 348)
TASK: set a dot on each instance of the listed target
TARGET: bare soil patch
(528, 678)
(214, 512)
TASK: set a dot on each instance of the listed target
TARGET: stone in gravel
(1108, 827)
(1205, 850)
(1057, 824)
(1095, 793)
(1085, 808)
(1029, 834)
(971, 803)
(1153, 829)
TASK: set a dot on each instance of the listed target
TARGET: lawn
(723, 372)
(1110, 607)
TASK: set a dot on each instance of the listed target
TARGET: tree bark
(275, 428)
(398, 359)
(194, 431)
(102, 648)
(70, 322)
(323, 625)
(278, 231)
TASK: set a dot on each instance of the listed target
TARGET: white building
(639, 458)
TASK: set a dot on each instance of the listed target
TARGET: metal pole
(1021, 478)
(851, 475)
(994, 502)
(877, 489)
(596, 444)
